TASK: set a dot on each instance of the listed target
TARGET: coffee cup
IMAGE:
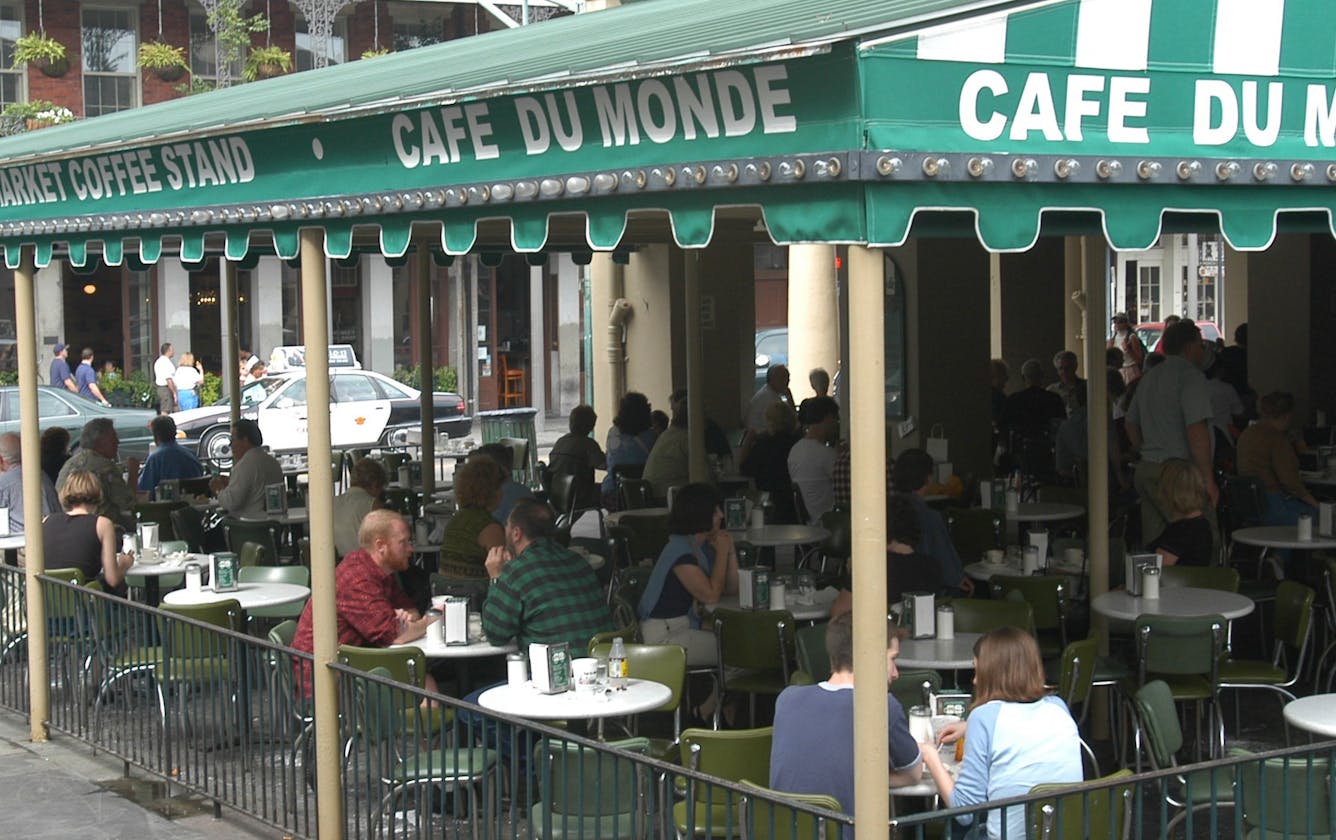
(584, 672)
(993, 556)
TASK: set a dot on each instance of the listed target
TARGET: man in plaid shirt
(541, 592)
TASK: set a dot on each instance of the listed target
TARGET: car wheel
(216, 447)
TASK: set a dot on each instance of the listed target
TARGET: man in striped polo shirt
(541, 592)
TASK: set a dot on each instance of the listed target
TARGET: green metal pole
(426, 338)
(25, 316)
(320, 502)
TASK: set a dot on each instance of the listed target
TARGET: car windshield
(254, 393)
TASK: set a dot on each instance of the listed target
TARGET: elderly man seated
(351, 507)
(372, 610)
(253, 469)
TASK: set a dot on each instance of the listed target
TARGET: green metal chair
(1184, 653)
(755, 648)
(161, 513)
(67, 635)
(407, 665)
(1047, 597)
(835, 551)
(975, 615)
(634, 493)
(590, 793)
(254, 554)
(299, 575)
(812, 656)
(1292, 628)
(388, 719)
(912, 688)
(974, 531)
(648, 534)
(1286, 797)
(631, 583)
(733, 755)
(1077, 811)
(1157, 725)
(1222, 578)
(767, 820)
(238, 532)
(666, 664)
(196, 657)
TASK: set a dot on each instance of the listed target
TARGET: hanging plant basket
(266, 63)
(55, 68)
(163, 60)
(45, 53)
(169, 74)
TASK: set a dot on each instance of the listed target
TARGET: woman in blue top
(699, 563)
(1017, 735)
(630, 439)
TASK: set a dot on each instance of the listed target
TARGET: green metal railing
(204, 704)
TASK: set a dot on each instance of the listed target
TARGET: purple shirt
(84, 377)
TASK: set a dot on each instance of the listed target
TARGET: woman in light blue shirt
(1017, 735)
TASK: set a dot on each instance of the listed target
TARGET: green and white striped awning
(834, 120)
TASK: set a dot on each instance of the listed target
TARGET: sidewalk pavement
(61, 789)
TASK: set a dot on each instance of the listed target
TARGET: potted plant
(33, 114)
(44, 53)
(377, 52)
(266, 62)
(163, 60)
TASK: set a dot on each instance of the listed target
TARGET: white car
(366, 409)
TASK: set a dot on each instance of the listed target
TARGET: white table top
(1281, 536)
(938, 653)
(981, 570)
(526, 701)
(616, 516)
(12, 541)
(1045, 512)
(815, 611)
(1318, 479)
(167, 567)
(433, 648)
(1185, 601)
(1313, 714)
(925, 786)
(777, 535)
(249, 595)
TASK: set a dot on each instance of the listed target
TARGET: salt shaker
(946, 622)
(1305, 527)
(517, 671)
(1150, 583)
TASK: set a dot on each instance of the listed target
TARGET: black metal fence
(202, 699)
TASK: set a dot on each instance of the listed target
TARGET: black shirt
(911, 572)
(1189, 539)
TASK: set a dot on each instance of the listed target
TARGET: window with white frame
(416, 25)
(1148, 293)
(11, 77)
(110, 74)
(204, 50)
(336, 50)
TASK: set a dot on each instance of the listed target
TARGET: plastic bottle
(617, 665)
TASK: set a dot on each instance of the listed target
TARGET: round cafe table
(433, 647)
(527, 702)
(938, 654)
(1184, 601)
(249, 595)
(1045, 512)
(1316, 714)
(818, 610)
(616, 517)
(1282, 536)
(151, 572)
(771, 536)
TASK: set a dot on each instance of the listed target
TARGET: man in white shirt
(163, 371)
(812, 459)
(253, 469)
(776, 389)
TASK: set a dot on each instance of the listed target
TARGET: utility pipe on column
(227, 290)
(427, 381)
(619, 313)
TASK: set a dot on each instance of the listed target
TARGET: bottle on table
(617, 665)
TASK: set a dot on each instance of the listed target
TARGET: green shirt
(118, 502)
(547, 594)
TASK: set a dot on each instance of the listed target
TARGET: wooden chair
(512, 381)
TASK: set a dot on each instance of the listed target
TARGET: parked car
(59, 407)
(366, 409)
(1150, 334)
(772, 348)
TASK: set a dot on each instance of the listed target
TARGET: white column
(570, 342)
(173, 304)
(814, 339)
(266, 302)
(538, 372)
(378, 334)
(49, 294)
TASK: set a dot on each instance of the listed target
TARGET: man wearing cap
(61, 377)
(163, 371)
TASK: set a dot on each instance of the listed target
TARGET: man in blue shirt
(60, 370)
(168, 460)
(813, 746)
(86, 378)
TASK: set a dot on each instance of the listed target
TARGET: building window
(140, 354)
(336, 51)
(110, 74)
(11, 78)
(204, 51)
(1148, 293)
(417, 25)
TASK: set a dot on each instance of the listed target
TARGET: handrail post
(25, 316)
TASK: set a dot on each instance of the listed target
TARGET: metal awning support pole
(25, 317)
(227, 292)
(422, 268)
(867, 428)
(1095, 284)
(698, 466)
(328, 758)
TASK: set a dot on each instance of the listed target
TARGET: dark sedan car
(59, 407)
(366, 409)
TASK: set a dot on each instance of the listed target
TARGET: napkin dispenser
(1326, 518)
(455, 619)
(168, 490)
(1039, 539)
(4, 520)
(276, 498)
(223, 571)
(1134, 566)
(148, 536)
(754, 588)
(550, 667)
(919, 614)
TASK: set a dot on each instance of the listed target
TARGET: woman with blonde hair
(187, 379)
(1187, 538)
(78, 538)
(472, 531)
(1017, 735)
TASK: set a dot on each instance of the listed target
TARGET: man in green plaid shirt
(541, 592)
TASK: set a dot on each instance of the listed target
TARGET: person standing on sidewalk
(163, 371)
(86, 378)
